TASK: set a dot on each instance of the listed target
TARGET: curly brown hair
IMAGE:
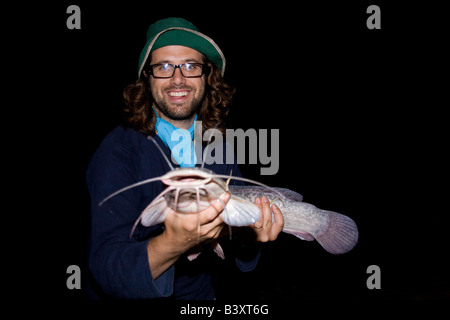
(213, 111)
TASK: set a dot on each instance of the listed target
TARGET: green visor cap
(177, 31)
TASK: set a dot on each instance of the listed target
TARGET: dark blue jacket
(119, 264)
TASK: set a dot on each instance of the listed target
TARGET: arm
(119, 264)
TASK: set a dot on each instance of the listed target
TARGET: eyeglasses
(188, 70)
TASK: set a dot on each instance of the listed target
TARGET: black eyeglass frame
(205, 69)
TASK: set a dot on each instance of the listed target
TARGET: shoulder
(118, 150)
(122, 137)
(120, 142)
(126, 153)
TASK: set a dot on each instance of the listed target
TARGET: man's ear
(145, 75)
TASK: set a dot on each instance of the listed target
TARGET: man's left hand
(265, 229)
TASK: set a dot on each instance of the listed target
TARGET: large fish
(191, 190)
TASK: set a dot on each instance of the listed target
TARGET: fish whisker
(223, 176)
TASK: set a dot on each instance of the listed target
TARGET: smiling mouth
(178, 93)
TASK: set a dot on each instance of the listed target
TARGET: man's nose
(177, 78)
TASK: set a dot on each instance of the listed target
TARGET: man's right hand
(182, 232)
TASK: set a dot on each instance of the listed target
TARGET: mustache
(182, 87)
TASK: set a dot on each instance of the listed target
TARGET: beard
(177, 111)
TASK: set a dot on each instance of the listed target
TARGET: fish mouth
(186, 181)
(187, 177)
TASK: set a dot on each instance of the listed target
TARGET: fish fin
(194, 253)
(300, 234)
(240, 212)
(218, 249)
(295, 196)
(193, 256)
(155, 213)
(341, 234)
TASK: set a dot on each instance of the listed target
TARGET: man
(180, 80)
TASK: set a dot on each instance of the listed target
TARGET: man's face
(178, 97)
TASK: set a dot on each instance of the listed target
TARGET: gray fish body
(191, 190)
(336, 233)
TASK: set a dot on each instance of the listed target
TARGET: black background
(361, 121)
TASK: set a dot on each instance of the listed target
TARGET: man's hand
(265, 229)
(186, 230)
(182, 232)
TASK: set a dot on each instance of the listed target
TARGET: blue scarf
(182, 151)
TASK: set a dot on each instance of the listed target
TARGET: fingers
(278, 223)
(266, 214)
(212, 213)
(188, 230)
(266, 228)
(211, 222)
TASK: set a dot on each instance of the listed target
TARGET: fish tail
(340, 236)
